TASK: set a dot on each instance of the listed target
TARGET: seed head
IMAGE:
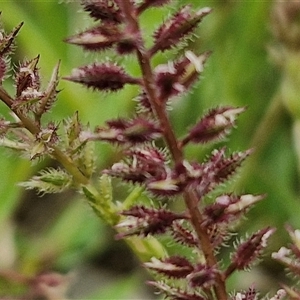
(172, 267)
(143, 221)
(106, 11)
(102, 77)
(177, 27)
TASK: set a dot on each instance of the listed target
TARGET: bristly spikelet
(141, 164)
(249, 251)
(7, 41)
(72, 130)
(177, 27)
(290, 258)
(104, 37)
(228, 208)
(177, 77)
(215, 125)
(102, 77)
(3, 69)
(49, 181)
(202, 276)
(143, 105)
(126, 131)
(97, 38)
(146, 221)
(106, 11)
(49, 95)
(172, 267)
(184, 235)
(27, 77)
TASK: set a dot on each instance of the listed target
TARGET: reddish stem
(190, 197)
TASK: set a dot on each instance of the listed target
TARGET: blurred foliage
(239, 73)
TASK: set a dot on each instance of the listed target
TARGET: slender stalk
(61, 157)
(190, 197)
(28, 124)
(70, 166)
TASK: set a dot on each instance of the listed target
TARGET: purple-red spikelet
(228, 208)
(202, 276)
(224, 167)
(143, 104)
(219, 168)
(250, 250)
(149, 154)
(7, 41)
(3, 69)
(102, 77)
(175, 78)
(141, 164)
(183, 235)
(141, 130)
(172, 267)
(103, 10)
(214, 125)
(103, 37)
(218, 235)
(129, 172)
(127, 44)
(97, 38)
(133, 131)
(177, 27)
(143, 221)
(27, 78)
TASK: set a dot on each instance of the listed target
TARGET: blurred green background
(60, 232)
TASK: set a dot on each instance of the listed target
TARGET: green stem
(33, 128)
(131, 199)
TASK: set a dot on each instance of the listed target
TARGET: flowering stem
(191, 199)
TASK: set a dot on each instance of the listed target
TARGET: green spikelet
(87, 159)
(49, 181)
(102, 203)
(72, 129)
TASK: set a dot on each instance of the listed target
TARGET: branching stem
(61, 157)
(190, 197)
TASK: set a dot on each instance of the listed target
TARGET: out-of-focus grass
(238, 73)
